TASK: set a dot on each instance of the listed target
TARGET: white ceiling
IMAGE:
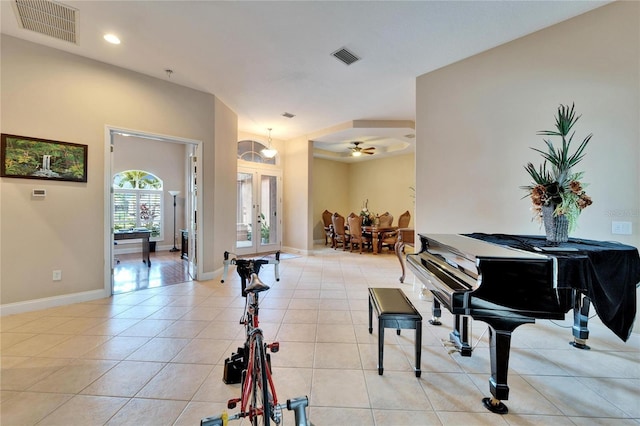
(264, 58)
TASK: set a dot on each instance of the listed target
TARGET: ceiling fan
(357, 150)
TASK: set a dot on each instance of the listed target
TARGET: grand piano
(506, 281)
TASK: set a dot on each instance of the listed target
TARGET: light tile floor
(156, 357)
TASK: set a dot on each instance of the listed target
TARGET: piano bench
(394, 311)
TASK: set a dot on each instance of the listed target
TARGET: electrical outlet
(57, 275)
(621, 228)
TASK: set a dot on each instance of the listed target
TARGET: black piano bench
(394, 311)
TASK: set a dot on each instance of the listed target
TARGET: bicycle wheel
(261, 399)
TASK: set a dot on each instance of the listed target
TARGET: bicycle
(258, 399)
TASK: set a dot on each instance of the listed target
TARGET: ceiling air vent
(288, 115)
(344, 56)
(47, 17)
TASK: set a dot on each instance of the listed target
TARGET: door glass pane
(244, 210)
(268, 210)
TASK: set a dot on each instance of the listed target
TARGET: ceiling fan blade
(368, 152)
(372, 148)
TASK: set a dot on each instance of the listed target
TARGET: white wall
(478, 118)
(55, 95)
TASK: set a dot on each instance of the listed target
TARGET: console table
(136, 235)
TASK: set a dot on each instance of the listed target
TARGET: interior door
(258, 223)
(192, 211)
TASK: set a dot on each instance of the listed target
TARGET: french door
(258, 220)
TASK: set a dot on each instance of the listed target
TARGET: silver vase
(556, 227)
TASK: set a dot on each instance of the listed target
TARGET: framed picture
(33, 158)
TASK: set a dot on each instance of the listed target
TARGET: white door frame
(108, 199)
(258, 170)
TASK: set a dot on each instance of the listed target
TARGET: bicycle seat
(256, 285)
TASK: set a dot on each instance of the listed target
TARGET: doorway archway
(190, 154)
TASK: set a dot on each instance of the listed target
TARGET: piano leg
(581, 304)
(436, 313)
(499, 347)
(460, 336)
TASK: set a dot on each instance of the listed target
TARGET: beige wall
(385, 183)
(51, 94)
(478, 118)
(344, 187)
(330, 192)
(218, 212)
(296, 162)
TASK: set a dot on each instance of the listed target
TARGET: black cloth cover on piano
(607, 272)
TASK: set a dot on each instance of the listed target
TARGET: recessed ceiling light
(112, 38)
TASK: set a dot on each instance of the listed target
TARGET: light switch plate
(621, 228)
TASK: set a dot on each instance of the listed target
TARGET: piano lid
(468, 250)
(471, 248)
(465, 253)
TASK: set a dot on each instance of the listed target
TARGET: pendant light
(269, 152)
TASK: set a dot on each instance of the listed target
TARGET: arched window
(137, 202)
(252, 151)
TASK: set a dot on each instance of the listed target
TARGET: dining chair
(328, 227)
(390, 238)
(340, 235)
(404, 219)
(356, 236)
(385, 219)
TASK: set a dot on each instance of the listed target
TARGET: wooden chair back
(326, 218)
(385, 219)
(404, 219)
(328, 227)
(339, 234)
(355, 232)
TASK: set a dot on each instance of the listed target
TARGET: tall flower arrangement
(366, 216)
(553, 183)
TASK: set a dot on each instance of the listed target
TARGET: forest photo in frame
(33, 158)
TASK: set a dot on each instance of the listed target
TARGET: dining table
(376, 231)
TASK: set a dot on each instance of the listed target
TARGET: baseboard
(294, 250)
(51, 302)
(207, 276)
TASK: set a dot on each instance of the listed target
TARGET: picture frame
(25, 157)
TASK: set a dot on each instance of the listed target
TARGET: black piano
(506, 281)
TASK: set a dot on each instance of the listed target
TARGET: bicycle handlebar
(228, 260)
